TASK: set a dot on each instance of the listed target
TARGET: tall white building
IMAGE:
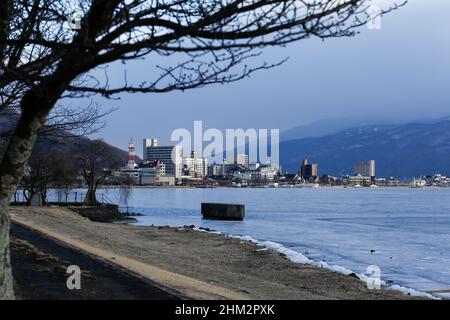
(365, 169)
(170, 156)
(195, 166)
(242, 159)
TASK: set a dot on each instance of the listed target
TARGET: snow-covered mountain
(406, 150)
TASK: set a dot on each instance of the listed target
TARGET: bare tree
(97, 163)
(37, 177)
(47, 168)
(213, 41)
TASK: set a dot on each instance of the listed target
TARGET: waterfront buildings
(358, 180)
(147, 143)
(170, 156)
(366, 169)
(148, 176)
(129, 174)
(309, 171)
(215, 170)
(437, 180)
(254, 172)
(268, 171)
(165, 165)
(242, 160)
(195, 166)
(162, 165)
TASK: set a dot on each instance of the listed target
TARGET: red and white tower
(131, 155)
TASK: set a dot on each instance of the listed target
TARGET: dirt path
(40, 273)
(197, 264)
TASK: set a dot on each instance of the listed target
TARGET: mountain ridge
(401, 150)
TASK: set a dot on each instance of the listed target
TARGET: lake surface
(404, 231)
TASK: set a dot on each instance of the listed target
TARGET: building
(359, 180)
(154, 173)
(170, 156)
(268, 171)
(166, 181)
(148, 175)
(365, 169)
(254, 172)
(242, 160)
(309, 171)
(215, 170)
(195, 166)
(129, 174)
(147, 143)
(157, 165)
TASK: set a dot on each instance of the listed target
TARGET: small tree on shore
(47, 169)
(37, 177)
(96, 162)
(212, 41)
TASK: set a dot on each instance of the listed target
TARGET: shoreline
(200, 265)
(262, 187)
(298, 258)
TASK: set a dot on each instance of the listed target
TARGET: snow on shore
(298, 257)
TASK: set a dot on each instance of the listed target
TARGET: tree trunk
(35, 109)
(11, 171)
(91, 197)
(6, 279)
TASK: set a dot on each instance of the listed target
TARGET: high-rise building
(170, 156)
(148, 142)
(309, 171)
(241, 159)
(195, 166)
(365, 169)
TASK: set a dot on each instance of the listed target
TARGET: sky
(401, 71)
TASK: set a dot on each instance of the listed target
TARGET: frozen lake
(404, 231)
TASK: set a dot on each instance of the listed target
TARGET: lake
(404, 231)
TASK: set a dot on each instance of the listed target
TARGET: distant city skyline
(398, 72)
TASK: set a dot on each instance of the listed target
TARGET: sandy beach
(195, 264)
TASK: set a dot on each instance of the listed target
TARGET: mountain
(405, 150)
(331, 126)
(57, 140)
(67, 145)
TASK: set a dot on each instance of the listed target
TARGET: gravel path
(40, 272)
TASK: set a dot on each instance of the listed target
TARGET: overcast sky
(400, 71)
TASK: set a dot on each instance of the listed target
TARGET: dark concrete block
(223, 211)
